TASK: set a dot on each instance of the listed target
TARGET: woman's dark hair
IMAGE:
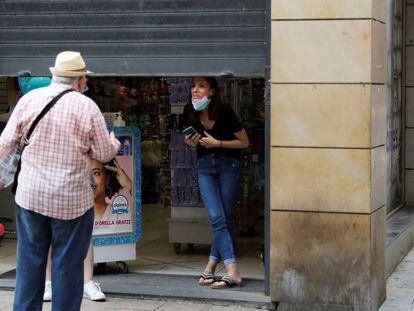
(215, 104)
(113, 185)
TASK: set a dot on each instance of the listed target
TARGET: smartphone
(190, 131)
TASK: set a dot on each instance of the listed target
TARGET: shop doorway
(176, 232)
(163, 38)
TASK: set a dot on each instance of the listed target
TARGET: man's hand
(115, 142)
(2, 186)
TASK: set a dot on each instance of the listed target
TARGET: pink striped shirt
(55, 174)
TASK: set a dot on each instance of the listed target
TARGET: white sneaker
(92, 291)
(47, 296)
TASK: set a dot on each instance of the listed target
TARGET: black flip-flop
(207, 276)
(229, 282)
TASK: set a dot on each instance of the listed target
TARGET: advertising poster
(115, 192)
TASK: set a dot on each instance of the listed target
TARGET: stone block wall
(328, 156)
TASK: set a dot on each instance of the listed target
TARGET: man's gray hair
(71, 81)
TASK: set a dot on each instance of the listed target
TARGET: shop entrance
(176, 233)
(162, 38)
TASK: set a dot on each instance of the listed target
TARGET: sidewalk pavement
(400, 297)
(129, 304)
(400, 287)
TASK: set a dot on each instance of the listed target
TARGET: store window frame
(396, 142)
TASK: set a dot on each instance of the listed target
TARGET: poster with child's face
(112, 185)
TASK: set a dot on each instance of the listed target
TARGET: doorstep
(173, 287)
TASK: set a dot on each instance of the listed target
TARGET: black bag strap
(43, 112)
(32, 127)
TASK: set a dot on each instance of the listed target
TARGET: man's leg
(33, 240)
(70, 243)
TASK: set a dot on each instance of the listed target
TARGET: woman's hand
(192, 140)
(209, 141)
(121, 176)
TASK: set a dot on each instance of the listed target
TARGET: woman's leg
(204, 171)
(88, 265)
(49, 266)
(91, 289)
(230, 177)
(222, 246)
(47, 295)
(214, 257)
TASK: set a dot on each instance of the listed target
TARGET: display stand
(189, 222)
(117, 230)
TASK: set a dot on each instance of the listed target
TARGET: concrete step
(150, 285)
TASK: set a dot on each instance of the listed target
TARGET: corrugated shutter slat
(144, 37)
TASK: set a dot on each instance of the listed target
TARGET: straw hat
(69, 64)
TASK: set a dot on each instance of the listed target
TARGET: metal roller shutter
(140, 37)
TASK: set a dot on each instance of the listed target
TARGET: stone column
(328, 156)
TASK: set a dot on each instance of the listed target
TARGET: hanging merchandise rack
(189, 221)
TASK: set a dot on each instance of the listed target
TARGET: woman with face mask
(219, 137)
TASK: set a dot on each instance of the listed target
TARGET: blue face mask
(201, 104)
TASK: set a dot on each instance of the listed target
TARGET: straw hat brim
(64, 73)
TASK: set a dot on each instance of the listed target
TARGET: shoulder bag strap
(43, 112)
(32, 127)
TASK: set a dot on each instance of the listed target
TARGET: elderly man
(54, 202)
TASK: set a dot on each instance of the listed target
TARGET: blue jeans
(69, 240)
(219, 180)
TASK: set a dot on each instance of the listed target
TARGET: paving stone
(231, 308)
(183, 306)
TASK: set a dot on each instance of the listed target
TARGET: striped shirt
(55, 173)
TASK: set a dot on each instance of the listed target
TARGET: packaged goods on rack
(189, 222)
(184, 183)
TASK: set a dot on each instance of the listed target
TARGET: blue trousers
(69, 240)
(219, 180)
